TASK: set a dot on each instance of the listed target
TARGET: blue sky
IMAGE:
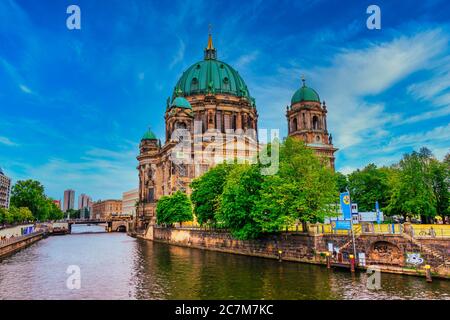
(74, 104)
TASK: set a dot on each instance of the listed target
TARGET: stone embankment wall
(13, 245)
(390, 252)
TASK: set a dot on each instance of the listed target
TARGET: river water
(115, 266)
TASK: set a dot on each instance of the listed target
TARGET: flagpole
(351, 223)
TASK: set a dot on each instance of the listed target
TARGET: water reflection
(115, 266)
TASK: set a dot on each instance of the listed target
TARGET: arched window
(294, 125)
(194, 84)
(234, 122)
(226, 84)
(315, 123)
(180, 125)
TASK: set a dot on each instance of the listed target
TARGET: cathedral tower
(307, 120)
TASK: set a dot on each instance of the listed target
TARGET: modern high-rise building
(69, 200)
(85, 205)
(5, 189)
(84, 201)
(129, 200)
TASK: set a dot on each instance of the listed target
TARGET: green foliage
(302, 190)
(341, 182)
(369, 185)
(313, 183)
(206, 192)
(15, 215)
(174, 208)
(412, 187)
(30, 194)
(440, 181)
(239, 199)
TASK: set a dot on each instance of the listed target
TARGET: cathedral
(211, 117)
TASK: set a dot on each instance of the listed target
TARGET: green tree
(447, 159)
(30, 194)
(174, 208)
(368, 186)
(25, 214)
(206, 192)
(341, 182)
(440, 180)
(412, 188)
(311, 182)
(73, 214)
(239, 199)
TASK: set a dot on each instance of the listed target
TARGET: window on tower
(294, 125)
(315, 123)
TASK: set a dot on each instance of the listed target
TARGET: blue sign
(377, 209)
(345, 205)
(341, 225)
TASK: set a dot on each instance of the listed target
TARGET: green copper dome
(181, 103)
(211, 76)
(149, 135)
(305, 94)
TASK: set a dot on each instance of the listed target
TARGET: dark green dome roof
(305, 94)
(211, 76)
(181, 103)
(149, 135)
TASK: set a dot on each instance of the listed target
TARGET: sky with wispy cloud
(75, 103)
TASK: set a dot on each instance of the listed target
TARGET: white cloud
(439, 136)
(25, 89)
(101, 173)
(7, 142)
(179, 55)
(357, 74)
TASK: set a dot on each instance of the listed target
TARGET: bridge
(117, 223)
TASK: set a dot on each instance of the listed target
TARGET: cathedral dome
(211, 76)
(149, 135)
(305, 94)
(181, 102)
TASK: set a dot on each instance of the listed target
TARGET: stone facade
(211, 117)
(106, 209)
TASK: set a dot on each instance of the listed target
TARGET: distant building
(129, 199)
(85, 205)
(84, 201)
(69, 200)
(106, 209)
(5, 190)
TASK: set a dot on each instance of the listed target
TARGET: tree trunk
(304, 226)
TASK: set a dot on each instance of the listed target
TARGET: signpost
(346, 205)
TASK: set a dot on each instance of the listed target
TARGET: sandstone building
(106, 209)
(212, 115)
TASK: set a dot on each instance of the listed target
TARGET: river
(115, 266)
